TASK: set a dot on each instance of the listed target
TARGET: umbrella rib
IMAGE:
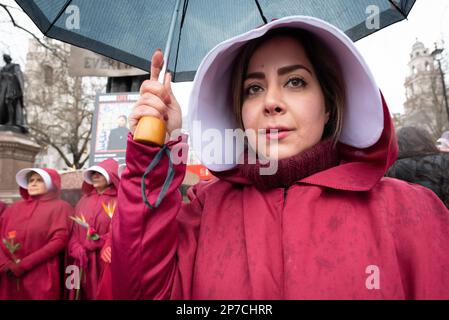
(398, 9)
(260, 11)
(184, 12)
(57, 17)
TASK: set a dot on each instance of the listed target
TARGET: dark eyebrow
(255, 75)
(287, 69)
(281, 71)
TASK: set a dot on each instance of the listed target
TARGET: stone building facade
(424, 106)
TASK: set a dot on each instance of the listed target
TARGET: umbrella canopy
(130, 30)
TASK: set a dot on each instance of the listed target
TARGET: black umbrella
(130, 30)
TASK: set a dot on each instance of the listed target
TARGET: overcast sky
(386, 52)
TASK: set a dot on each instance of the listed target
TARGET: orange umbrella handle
(150, 130)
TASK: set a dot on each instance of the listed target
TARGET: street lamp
(437, 55)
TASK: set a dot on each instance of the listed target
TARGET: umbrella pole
(169, 41)
(151, 129)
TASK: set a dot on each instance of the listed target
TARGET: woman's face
(99, 182)
(36, 185)
(281, 92)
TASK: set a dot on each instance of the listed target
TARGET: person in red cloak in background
(105, 284)
(89, 234)
(34, 232)
(319, 221)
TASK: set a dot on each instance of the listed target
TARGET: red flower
(91, 231)
(92, 234)
(12, 235)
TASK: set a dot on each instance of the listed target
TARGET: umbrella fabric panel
(51, 9)
(344, 14)
(206, 24)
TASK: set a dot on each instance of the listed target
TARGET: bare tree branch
(48, 140)
(5, 7)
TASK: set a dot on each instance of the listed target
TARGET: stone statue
(11, 95)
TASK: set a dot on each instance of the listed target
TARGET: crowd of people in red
(50, 250)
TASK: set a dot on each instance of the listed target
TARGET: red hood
(52, 194)
(111, 167)
(359, 169)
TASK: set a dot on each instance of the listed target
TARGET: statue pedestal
(17, 151)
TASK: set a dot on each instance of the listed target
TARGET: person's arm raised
(144, 240)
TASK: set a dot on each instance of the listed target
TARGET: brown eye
(296, 82)
(252, 90)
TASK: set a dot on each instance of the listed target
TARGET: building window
(48, 75)
(414, 70)
(427, 66)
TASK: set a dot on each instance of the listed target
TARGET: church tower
(424, 105)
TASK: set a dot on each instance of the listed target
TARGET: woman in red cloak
(320, 222)
(34, 232)
(89, 234)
